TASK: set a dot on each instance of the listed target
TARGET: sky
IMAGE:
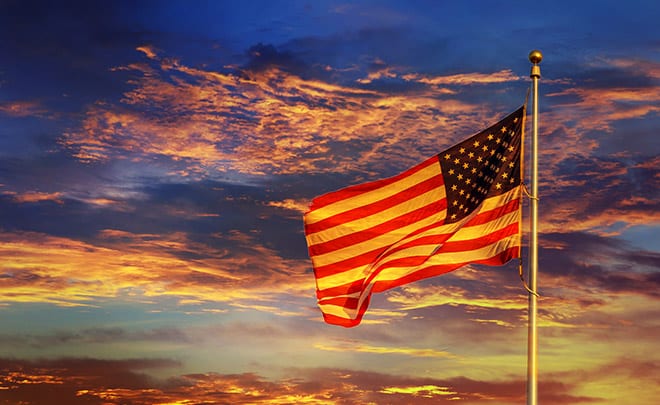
(156, 159)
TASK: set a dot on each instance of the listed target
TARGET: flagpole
(535, 57)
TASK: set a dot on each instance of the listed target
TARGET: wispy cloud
(464, 79)
(23, 109)
(299, 206)
(354, 346)
(34, 196)
(43, 268)
(266, 119)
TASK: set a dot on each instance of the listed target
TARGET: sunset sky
(156, 159)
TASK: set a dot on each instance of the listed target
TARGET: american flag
(459, 207)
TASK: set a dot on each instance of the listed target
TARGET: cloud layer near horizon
(86, 381)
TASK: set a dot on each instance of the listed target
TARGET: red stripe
(438, 239)
(485, 240)
(378, 230)
(376, 207)
(350, 263)
(345, 302)
(345, 322)
(344, 289)
(358, 189)
(490, 215)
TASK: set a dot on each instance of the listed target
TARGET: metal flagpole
(535, 57)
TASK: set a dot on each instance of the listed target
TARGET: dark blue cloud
(607, 264)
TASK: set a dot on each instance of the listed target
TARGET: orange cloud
(294, 205)
(148, 51)
(105, 381)
(354, 346)
(415, 296)
(463, 79)
(649, 68)
(35, 196)
(606, 105)
(22, 109)
(427, 391)
(44, 268)
(578, 110)
(270, 122)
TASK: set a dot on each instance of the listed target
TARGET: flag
(459, 207)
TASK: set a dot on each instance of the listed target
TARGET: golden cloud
(268, 122)
(414, 296)
(70, 272)
(502, 76)
(108, 381)
(291, 204)
(22, 109)
(34, 196)
(355, 346)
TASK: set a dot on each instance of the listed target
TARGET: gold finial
(535, 56)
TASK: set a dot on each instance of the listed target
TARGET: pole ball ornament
(535, 56)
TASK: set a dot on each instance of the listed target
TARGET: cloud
(415, 297)
(353, 346)
(264, 57)
(595, 194)
(273, 115)
(90, 381)
(290, 204)
(148, 51)
(96, 335)
(43, 268)
(589, 113)
(64, 380)
(463, 79)
(23, 109)
(607, 105)
(34, 196)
